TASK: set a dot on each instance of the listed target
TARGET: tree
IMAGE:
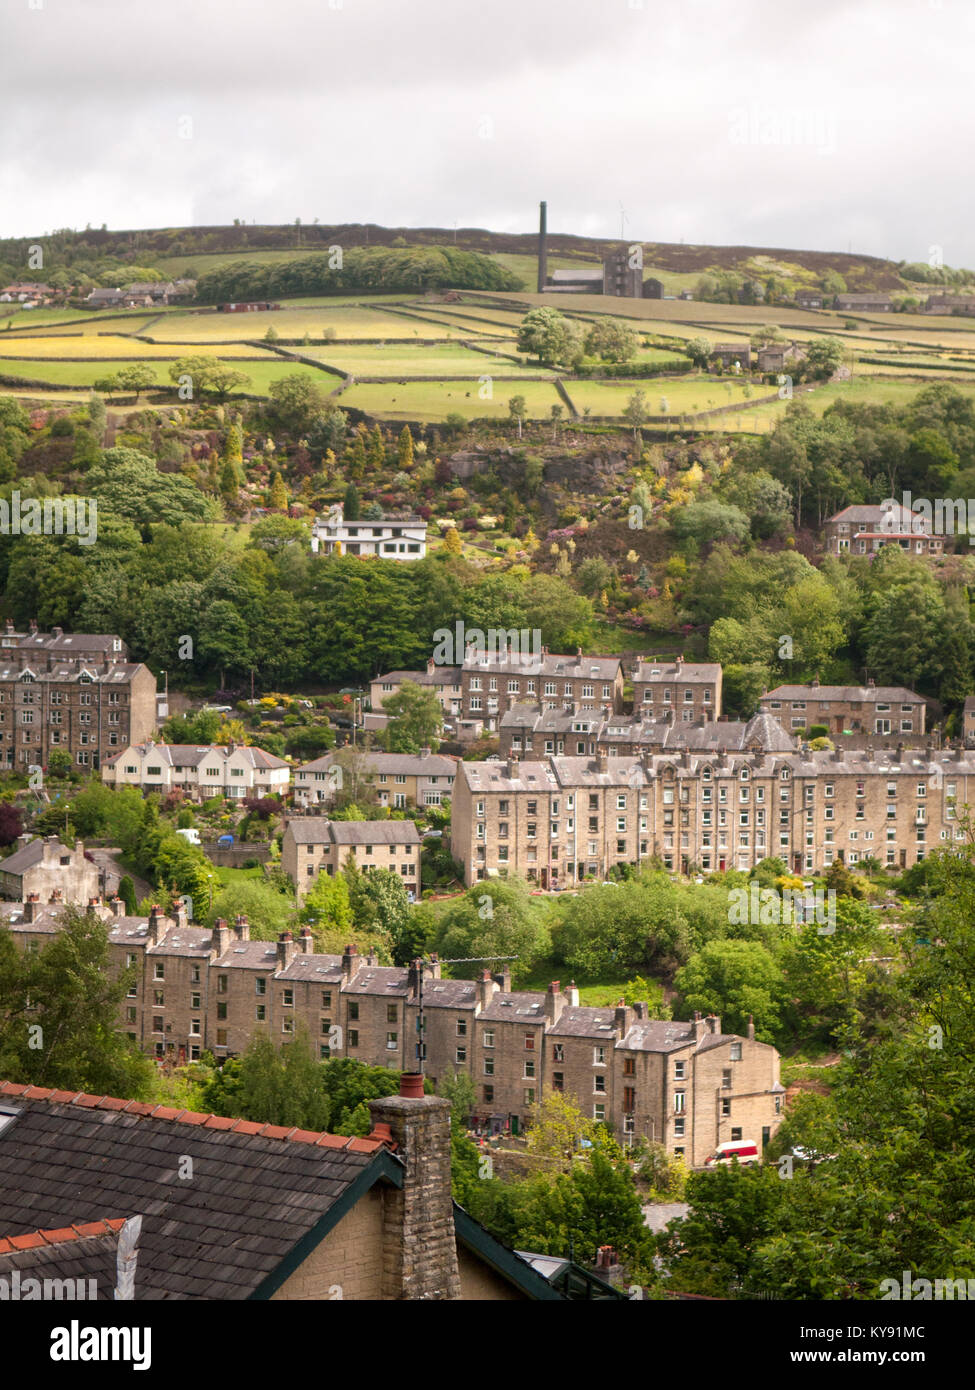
(296, 401)
(351, 506)
(268, 912)
(699, 351)
(97, 416)
(135, 377)
(416, 718)
(492, 920)
(547, 335)
(126, 891)
(11, 823)
(59, 762)
(327, 910)
(635, 413)
(557, 1131)
(404, 449)
(735, 979)
(452, 542)
(517, 411)
(611, 340)
(206, 376)
(279, 493)
(823, 356)
(733, 1210)
(59, 1011)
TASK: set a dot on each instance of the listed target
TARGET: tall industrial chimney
(542, 246)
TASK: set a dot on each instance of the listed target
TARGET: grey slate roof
(516, 1008)
(254, 1194)
(864, 694)
(690, 672)
(30, 854)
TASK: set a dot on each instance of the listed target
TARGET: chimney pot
(411, 1085)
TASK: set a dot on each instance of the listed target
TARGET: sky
(820, 126)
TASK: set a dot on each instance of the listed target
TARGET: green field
(111, 345)
(449, 359)
(684, 396)
(80, 374)
(433, 400)
(348, 321)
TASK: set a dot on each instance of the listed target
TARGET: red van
(744, 1150)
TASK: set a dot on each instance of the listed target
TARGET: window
(726, 1106)
(260, 1013)
(391, 1013)
(392, 1042)
(221, 1011)
(353, 1037)
(530, 1096)
(326, 998)
(679, 1071)
(599, 1056)
(260, 985)
(679, 1101)
(462, 1028)
(735, 1135)
(488, 1039)
(488, 1092)
(353, 1011)
(599, 1084)
(288, 998)
(529, 1072)
(736, 1051)
(488, 1066)
(599, 1112)
(222, 984)
(529, 1042)
(679, 1129)
(159, 971)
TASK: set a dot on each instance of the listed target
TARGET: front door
(513, 1119)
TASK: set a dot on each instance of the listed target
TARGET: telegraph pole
(421, 1022)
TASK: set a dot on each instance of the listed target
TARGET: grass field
(404, 361)
(433, 400)
(80, 374)
(347, 320)
(111, 345)
(683, 396)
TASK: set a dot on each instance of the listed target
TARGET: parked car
(225, 841)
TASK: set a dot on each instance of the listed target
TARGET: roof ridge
(82, 1230)
(155, 1110)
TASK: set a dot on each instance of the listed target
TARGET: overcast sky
(823, 126)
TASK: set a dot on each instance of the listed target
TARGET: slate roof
(388, 980)
(32, 853)
(690, 672)
(658, 1036)
(373, 832)
(516, 1008)
(256, 1189)
(577, 666)
(449, 994)
(440, 675)
(391, 764)
(584, 1021)
(193, 754)
(863, 694)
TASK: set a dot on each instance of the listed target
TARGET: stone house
(492, 683)
(314, 845)
(529, 731)
(730, 353)
(86, 699)
(871, 302)
(399, 779)
(874, 709)
(809, 299)
(445, 681)
(43, 865)
(689, 687)
(865, 529)
(557, 821)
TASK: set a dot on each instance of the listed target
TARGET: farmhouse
(950, 304)
(809, 299)
(105, 299)
(730, 353)
(776, 356)
(871, 303)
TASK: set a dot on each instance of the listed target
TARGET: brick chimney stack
(221, 937)
(287, 950)
(154, 931)
(751, 1028)
(487, 988)
(572, 995)
(699, 1026)
(117, 905)
(554, 1002)
(32, 906)
(307, 941)
(242, 928)
(623, 1018)
(350, 963)
(179, 912)
(419, 1243)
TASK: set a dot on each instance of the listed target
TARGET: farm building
(730, 353)
(872, 303)
(809, 299)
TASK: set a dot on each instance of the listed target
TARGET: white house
(391, 537)
(199, 771)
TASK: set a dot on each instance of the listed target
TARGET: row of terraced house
(689, 1086)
